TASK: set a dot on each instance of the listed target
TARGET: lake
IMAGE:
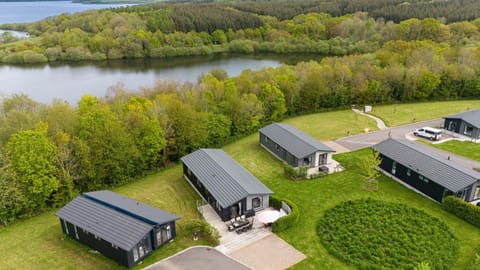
(23, 12)
(71, 81)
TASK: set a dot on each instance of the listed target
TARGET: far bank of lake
(25, 12)
(70, 81)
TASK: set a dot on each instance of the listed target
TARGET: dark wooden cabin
(224, 184)
(464, 124)
(423, 169)
(120, 228)
(294, 147)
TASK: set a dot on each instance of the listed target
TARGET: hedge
(464, 210)
(287, 221)
(202, 228)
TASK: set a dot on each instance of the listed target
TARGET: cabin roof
(423, 160)
(223, 177)
(293, 140)
(471, 117)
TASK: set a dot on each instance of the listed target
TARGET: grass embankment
(467, 149)
(399, 114)
(38, 243)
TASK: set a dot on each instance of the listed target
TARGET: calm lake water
(71, 81)
(20, 12)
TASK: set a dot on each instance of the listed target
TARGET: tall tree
(31, 159)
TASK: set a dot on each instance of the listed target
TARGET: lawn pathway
(380, 124)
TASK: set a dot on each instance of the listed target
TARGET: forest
(51, 152)
(162, 31)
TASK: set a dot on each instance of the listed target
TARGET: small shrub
(294, 173)
(287, 221)
(203, 230)
(422, 266)
(464, 210)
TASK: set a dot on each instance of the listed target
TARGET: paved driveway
(368, 139)
(198, 258)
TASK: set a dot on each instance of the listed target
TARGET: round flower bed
(372, 234)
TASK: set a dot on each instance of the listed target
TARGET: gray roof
(293, 140)
(421, 158)
(471, 117)
(115, 227)
(131, 207)
(224, 178)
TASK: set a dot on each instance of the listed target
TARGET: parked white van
(429, 133)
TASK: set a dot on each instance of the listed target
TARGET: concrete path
(253, 246)
(337, 147)
(380, 124)
(269, 253)
(231, 241)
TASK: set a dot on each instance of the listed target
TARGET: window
(66, 227)
(219, 207)
(409, 172)
(468, 130)
(265, 139)
(476, 195)
(76, 233)
(256, 202)
(135, 254)
(189, 173)
(424, 179)
(277, 147)
(394, 167)
(163, 234)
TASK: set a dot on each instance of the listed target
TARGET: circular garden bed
(372, 234)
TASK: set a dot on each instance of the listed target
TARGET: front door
(322, 159)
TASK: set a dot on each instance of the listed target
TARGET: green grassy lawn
(399, 114)
(467, 149)
(314, 197)
(38, 243)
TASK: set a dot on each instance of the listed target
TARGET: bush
(294, 173)
(242, 46)
(202, 228)
(464, 210)
(372, 234)
(33, 57)
(287, 221)
(13, 58)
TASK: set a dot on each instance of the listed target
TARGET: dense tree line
(109, 34)
(396, 10)
(51, 152)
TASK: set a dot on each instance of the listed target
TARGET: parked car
(429, 133)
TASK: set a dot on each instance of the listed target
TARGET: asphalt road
(368, 139)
